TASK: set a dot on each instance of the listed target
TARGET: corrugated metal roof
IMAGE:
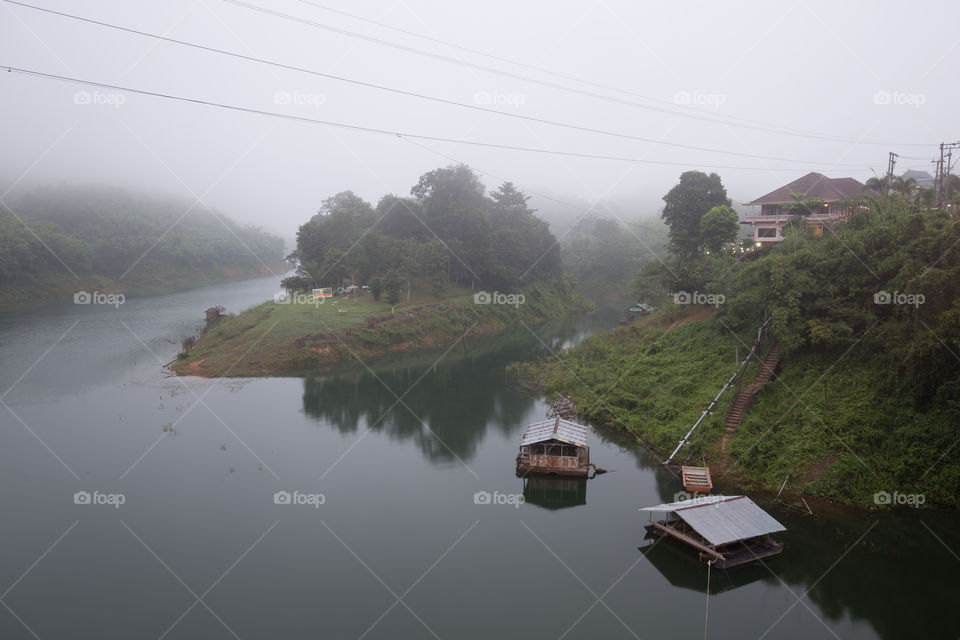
(722, 519)
(555, 429)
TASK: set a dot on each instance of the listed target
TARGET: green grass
(287, 339)
(653, 382)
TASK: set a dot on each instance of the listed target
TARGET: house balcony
(783, 218)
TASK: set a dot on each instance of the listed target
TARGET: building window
(766, 232)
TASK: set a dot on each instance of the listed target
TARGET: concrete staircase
(748, 392)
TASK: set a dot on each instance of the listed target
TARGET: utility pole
(888, 180)
(944, 166)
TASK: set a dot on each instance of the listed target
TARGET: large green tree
(686, 203)
(718, 226)
(449, 231)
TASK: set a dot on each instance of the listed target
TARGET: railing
(815, 217)
(733, 378)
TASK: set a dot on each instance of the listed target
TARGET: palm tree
(879, 185)
(904, 187)
(801, 205)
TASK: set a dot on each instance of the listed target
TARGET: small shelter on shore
(215, 312)
(635, 311)
(554, 447)
(726, 530)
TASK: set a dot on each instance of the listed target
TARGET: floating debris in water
(232, 469)
(223, 447)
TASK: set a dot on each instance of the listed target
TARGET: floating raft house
(726, 530)
(554, 447)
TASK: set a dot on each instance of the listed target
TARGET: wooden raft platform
(696, 479)
(727, 531)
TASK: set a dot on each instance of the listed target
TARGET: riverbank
(296, 336)
(653, 379)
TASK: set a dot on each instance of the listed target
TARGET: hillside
(870, 312)
(56, 240)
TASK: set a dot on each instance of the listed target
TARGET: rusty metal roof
(555, 429)
(722, 519)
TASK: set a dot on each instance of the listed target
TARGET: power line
(398, 134)
(696, 116)
(557, 74)
(455, 103)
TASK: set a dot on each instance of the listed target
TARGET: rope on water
(706, 615)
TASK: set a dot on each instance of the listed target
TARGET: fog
(790, 87)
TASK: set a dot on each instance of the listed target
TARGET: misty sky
(855, 73)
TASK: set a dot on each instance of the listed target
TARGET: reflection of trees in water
(897, 578)
(458, 399)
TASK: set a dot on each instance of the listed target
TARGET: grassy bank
(289, 338)
(654, 378)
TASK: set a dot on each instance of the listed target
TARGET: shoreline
(276, 339)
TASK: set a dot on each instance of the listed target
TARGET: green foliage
(603, 255)
(111, 233)
(391, 286)
(686, 203)
(802, 205)
(376, 288)
(871, 308)
(718, 226)
(449, 232)
(285, 339)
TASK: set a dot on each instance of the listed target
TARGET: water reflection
(682, 568)
(552, 492)
(458, 394)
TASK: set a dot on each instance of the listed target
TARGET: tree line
(106, 231)
(447, 231)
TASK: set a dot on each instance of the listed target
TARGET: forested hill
(115, 239)
(448, 233)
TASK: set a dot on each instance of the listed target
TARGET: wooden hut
(215, 312)
(635, 311)
(554, 447)
(726, 530)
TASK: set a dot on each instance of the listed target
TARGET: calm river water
(138, 505)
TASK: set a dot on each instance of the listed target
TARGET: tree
(686, 202)
(926, 197)
(376, 288)
(392, 284)
(904, 187)
(509, 201)
(719, 225)
(880, 185)
(802, 205)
